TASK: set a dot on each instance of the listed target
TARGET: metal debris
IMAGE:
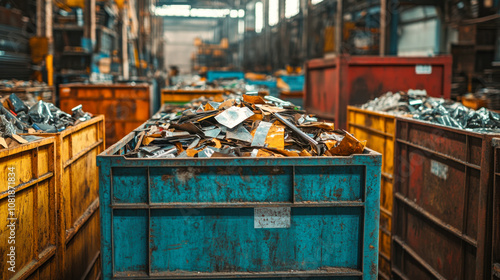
(234, 116)
(241, 126)
(436, 110)
(260, 136)
(17, 117)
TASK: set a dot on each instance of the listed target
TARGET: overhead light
(187, 11)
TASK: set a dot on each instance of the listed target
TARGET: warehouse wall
(180, 35)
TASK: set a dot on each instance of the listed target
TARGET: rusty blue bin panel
(314, 218)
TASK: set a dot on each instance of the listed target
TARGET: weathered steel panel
(495, 273)
(442, 214)
(126, 107)
(78, 244)
(30, 218)
(332, 84)
(196, 218)
(181, 96)
(379, 131)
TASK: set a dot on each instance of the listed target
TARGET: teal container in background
(216, 75)
(271, 84)
(296, 82)
(302, 218)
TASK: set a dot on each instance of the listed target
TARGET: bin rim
(372, 156)
(467, 131)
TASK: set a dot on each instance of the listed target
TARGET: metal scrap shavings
(17, 117)
(245, 126)
(436, 110)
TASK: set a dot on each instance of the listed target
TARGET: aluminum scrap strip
(435, 220)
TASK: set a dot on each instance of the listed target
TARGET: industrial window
(314, 2)
(259, 17)
(292, 7)
(274, 12)
(241, 26)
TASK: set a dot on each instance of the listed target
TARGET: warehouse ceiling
(205, 4)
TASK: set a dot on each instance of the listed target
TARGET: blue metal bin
(296, 82)
(215, 75)
(307, 217)
(271, 84)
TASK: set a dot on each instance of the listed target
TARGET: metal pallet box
(495, 274)
(332, 84)
(181, 96)
(379, 130)
(314, 217)
(34, 207)
(77, 197)
(125, 106)
(442, 212)
(215, 75)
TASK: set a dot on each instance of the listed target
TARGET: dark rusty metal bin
(443, 186)
(268, 218)
(332, 84)
(496, 214)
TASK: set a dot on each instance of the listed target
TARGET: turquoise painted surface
(179, 219)
(215, 184)
(296, 82)
(130, 240)
(270, 84)
(329, 183)
(220, 240)
(215, 75)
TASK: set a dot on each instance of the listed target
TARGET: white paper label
(439, 169)
(275, 217)
(423, 69)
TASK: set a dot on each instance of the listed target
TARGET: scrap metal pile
(243, 126)
(437, 110)
(29, 91)
(16, 117)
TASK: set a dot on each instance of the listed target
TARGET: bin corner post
(105, 185)
(372, 217)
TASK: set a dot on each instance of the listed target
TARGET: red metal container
(332, 84)
(442, 212)
(496, 214)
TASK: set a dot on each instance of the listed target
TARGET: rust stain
(338, 193)
(166, 177)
